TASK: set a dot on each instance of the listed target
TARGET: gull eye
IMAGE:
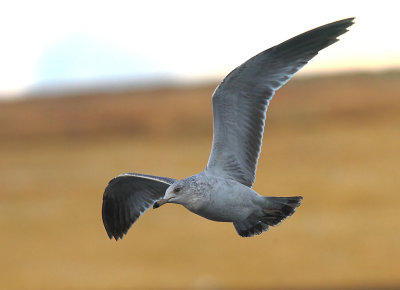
(177, 189)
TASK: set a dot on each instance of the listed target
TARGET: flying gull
(223, 191)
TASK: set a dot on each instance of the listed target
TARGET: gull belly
(223, 200)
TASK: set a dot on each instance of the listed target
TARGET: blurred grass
(335, 140)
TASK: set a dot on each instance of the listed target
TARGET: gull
(223, 191)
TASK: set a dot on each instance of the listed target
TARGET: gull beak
(161, 202)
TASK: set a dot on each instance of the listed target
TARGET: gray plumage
(222, 192)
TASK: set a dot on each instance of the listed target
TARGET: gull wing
(127, 196)
(240, 102)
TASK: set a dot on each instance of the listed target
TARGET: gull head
(178, 192)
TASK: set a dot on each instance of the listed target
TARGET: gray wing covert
(240, 102)
(126, 197)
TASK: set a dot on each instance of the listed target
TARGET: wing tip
(110, 214)
(121, 209)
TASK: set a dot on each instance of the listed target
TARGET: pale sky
(73, 42)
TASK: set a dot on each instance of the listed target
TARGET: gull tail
(275, 210)
(279, 208)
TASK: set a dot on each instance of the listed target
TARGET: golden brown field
(334, 140)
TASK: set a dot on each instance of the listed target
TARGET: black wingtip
(348, 22)
(126, 197)
(111, 214)
(350, 19)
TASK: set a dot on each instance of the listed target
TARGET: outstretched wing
(240, 102)
(127, 196)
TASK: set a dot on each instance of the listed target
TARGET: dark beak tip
(156, 205)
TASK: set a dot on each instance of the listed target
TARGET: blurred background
(93, 89)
